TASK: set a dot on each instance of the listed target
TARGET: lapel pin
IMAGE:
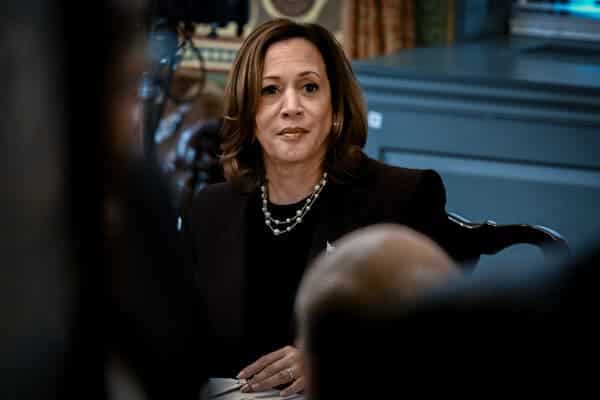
(329, 247)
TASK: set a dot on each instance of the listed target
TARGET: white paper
(218, 385)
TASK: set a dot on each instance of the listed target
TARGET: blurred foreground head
(376, 265)
(525, 328)
(369, 277)
(79, 290)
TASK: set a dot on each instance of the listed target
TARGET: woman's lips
(295, 131)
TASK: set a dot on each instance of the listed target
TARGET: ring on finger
(290, 374)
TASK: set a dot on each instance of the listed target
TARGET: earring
(336, 128)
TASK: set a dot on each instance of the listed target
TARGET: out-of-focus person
(507, 329)
(153, 327)
(371, 274)
(96, 286)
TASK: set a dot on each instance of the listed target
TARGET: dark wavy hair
(241, 155)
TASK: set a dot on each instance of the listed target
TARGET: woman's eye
(268, 90)
(311, 87)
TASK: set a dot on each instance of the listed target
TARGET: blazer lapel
(337, 216)
(343, 210)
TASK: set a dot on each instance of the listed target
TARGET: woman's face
(294, 110)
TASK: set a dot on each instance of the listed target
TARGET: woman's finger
(280, 378)
(289, 360)
(296, 387)
(284, 370)
(261, 363)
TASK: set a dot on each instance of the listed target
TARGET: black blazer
(379, 193)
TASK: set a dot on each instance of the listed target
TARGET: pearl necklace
(279, 227)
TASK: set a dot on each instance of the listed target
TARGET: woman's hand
(281, 367)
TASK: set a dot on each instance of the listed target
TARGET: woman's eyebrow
(308, 73)
(301, 74)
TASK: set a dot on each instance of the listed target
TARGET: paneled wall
(512, 125)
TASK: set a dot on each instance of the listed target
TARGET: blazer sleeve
(428, 214)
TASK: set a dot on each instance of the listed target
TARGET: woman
(297, 180)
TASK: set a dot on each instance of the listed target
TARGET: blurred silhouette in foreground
(153, 320)
(370, 274)
(95, 287)
(528, 331)
(37, 282)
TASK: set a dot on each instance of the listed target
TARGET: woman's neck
(291, 183)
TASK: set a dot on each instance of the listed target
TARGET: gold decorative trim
(310, 16)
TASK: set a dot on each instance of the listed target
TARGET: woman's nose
(292, 105)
